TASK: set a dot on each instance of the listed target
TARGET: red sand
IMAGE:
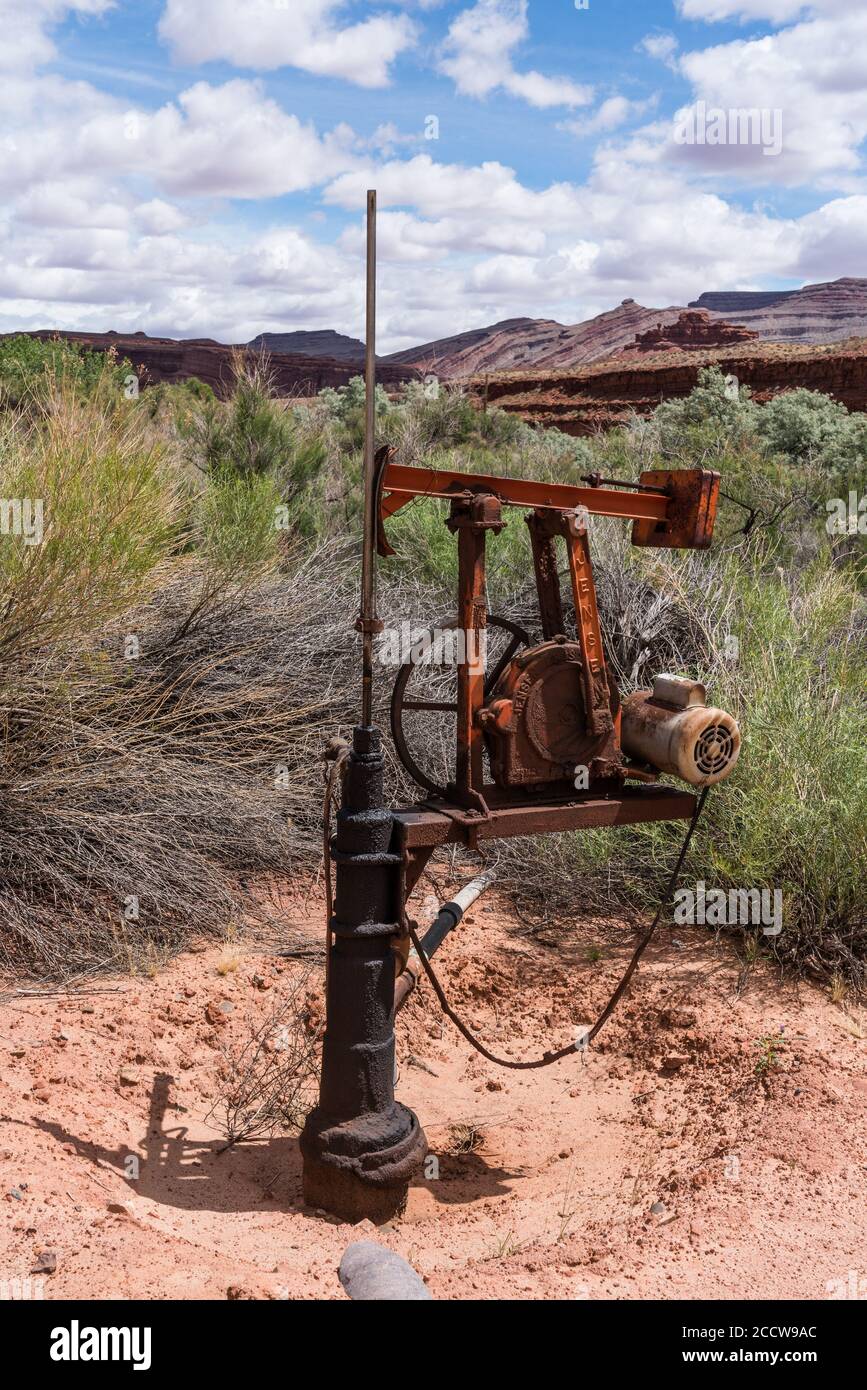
(663, 1165)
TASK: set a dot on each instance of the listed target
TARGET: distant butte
(824, 313)
(691, 331)
(317, 342)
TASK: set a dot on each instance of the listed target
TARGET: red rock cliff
(173, 360)
(602, 396)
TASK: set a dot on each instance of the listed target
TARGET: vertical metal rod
(368, 586)
(472, 620)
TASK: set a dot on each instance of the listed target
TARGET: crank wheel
(438, 697)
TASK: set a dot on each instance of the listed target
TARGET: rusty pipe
(445, 921)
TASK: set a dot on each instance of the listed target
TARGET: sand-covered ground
(712, 1144)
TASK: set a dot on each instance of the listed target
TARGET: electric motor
(673, 729)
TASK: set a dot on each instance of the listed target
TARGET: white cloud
(477, 56)
(813, 73)
(232, 141)
(833, 239)
(543, 91)
(612, 114)
(483, 193)
(70, 202)
(269, 34)
(26, 43)
(777, 11)
(660, 46)
(216, 141)
(157, 218)
(401, 236)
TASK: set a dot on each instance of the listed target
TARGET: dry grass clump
(270, 1083)
(140, 794)
(464, 1138)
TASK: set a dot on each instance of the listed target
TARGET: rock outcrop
(692, 330)
(507, 344)
(322, 342)
(537, 343)
(739, 301)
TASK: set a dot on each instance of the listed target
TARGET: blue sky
(198, 167)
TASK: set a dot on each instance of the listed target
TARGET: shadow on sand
(258, 1175)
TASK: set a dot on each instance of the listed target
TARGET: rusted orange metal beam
(402, 482)
(423, 828)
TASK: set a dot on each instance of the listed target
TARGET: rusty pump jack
(544, 712)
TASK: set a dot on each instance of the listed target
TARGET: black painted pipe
(445, 921)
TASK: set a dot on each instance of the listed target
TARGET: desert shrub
(251, 433)
(33, 368)
(173, 403)
(794, 816)
(110, 516)
(712, 421)
(807, 426)
(258, 452)
(150, 778)
(345, 407)
(241, 521)
(271, 1081)
(345, 402)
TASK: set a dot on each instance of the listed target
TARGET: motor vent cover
(681, 735)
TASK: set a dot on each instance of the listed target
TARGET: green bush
(33, 368)
(711, 422)
(253, 434)
(793, 815)
(241, 519)
(110, 515)
(345, 403)
(807, 426)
